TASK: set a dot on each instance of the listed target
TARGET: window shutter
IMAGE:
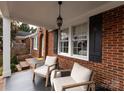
(95, 46)
(55, 41)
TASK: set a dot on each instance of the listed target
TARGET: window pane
(79, 38)
(64, 34)
(65, 50)
(64, 41)
(82, 48)
(35, 42)
(66, 44)
(75, 51)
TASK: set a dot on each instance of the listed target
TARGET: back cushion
(80, 73)
(50, 60)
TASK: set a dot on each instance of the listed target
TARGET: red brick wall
(109, 73)
(38, 52)
(50, 49)
(27, 41)
(35, 53)
(45, 42)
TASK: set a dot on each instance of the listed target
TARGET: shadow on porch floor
(22, 81)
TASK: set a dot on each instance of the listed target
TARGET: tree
(14, 29)
(26, 28)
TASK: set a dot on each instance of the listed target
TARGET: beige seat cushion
(80, 73)
(59, 82)
(42, 71)
(50, 60)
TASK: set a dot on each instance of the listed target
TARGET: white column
(6, 47)
(70, 40)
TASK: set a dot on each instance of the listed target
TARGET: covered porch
(43, 14)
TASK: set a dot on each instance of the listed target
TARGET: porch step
(19, 68)
(24, 56)
(24, 65)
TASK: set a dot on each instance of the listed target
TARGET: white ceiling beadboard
(44, 13)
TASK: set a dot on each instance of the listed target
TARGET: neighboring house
(23, 37)
(21, 44)
(39, 43)
(97, 43)
(32, 43)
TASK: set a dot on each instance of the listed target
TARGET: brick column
(31, 45)
(45, 42)
(39, 44)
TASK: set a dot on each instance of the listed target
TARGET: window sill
(35, 48)
(64, 54)
(75, 56)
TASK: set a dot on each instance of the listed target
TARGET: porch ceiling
(44, 13)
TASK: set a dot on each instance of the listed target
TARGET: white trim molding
(35, 42)
(70, 48)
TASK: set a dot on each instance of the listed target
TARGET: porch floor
(22, 81)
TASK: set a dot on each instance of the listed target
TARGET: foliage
(14, 60)
(1, 60)
(1, 70)
(26, 28)
(1, 43)
(13, 67)
(14, 29)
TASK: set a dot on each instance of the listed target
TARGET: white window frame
(35, 43)
(59, 51)
(70, 49)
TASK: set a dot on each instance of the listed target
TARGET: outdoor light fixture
(59, 18)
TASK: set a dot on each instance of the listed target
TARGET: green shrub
(1, 60)
(13, 67)
(1, 70)
(14, 60)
